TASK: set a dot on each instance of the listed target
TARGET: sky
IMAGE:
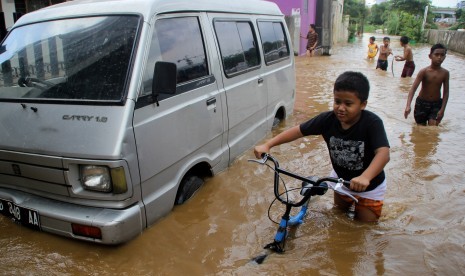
(437, 3)
(445, 3)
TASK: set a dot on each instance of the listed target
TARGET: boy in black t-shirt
(357, 144)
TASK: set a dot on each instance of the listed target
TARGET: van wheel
(189, 185)
(276, 122)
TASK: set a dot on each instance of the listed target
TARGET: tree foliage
(414, 7)
(401, 17)
(358, 12)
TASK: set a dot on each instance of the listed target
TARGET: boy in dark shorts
(409, 66)
(429, 107)
(357, 144)
(312, 37)
(384, 52)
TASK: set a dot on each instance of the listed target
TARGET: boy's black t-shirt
(352, 150)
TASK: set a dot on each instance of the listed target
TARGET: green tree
(414, 7)
(379, 14)
(406, 17)
(358, 12)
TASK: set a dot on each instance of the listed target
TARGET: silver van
(112, 112)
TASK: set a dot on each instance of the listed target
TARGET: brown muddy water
(421, 231)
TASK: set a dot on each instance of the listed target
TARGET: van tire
(189, 185)
(276, 122)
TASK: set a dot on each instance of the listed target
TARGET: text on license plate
(25, 216)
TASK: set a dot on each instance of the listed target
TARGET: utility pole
(424, 18)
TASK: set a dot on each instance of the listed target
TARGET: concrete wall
(8, 7)
(340, 23)
(453, 40)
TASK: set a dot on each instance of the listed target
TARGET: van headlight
(103, 179)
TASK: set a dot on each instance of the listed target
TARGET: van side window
(238, 46)
(274, 41)
(178, 40)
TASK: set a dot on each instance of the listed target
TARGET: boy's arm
(445, 98)
(406, 52)
(414, 88)
(316, 42)
(360, 183)
(286, 136)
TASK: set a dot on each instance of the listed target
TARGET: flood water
(421, 231)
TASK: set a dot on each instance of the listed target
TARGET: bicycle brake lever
(259, 161)
(338, 188)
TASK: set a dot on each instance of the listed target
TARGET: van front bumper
(116, 225)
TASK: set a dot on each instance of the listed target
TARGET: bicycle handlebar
(316, 183)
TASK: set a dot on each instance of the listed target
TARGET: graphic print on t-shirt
(347, 154)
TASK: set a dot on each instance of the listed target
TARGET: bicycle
(311, 186)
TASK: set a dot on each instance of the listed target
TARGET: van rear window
(71, 59)
(274, 42)
(238, 46)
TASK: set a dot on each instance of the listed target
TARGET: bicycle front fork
(280, 237)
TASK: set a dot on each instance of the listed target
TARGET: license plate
(25, 216)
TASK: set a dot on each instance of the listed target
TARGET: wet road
(421, 231)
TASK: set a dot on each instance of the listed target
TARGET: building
(325, 14)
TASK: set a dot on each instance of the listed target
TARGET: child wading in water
(409, 66)
(357, 143)
(429, 107)
(372, 48)
(312, 37)
(384, 52)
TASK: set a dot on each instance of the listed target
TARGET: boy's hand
(359, 183)
(261, 149)
(407, 112)
(439, 116)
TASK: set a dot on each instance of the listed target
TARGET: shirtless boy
(429, 107)
(384, 52)
(409, 66)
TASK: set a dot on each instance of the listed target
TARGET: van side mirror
(164, 79)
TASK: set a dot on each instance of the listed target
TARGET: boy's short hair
(438, 46)
(372, 37)
(353, 82)
(387, 38)
(404, 39)
(312, 26)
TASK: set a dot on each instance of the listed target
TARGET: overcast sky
(445, 3)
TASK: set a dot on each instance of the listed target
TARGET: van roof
(147, 8)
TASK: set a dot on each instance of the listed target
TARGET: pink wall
(307, 17)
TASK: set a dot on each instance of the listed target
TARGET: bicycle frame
(313, 188)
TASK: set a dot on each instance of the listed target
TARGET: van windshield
(71, 59)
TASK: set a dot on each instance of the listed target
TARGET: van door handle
(211, 101)
(260, 80)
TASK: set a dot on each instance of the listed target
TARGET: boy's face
(386, 42)
(347, 107)
(437, 56)
(372, 40)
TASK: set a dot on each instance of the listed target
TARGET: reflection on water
(422, 229)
